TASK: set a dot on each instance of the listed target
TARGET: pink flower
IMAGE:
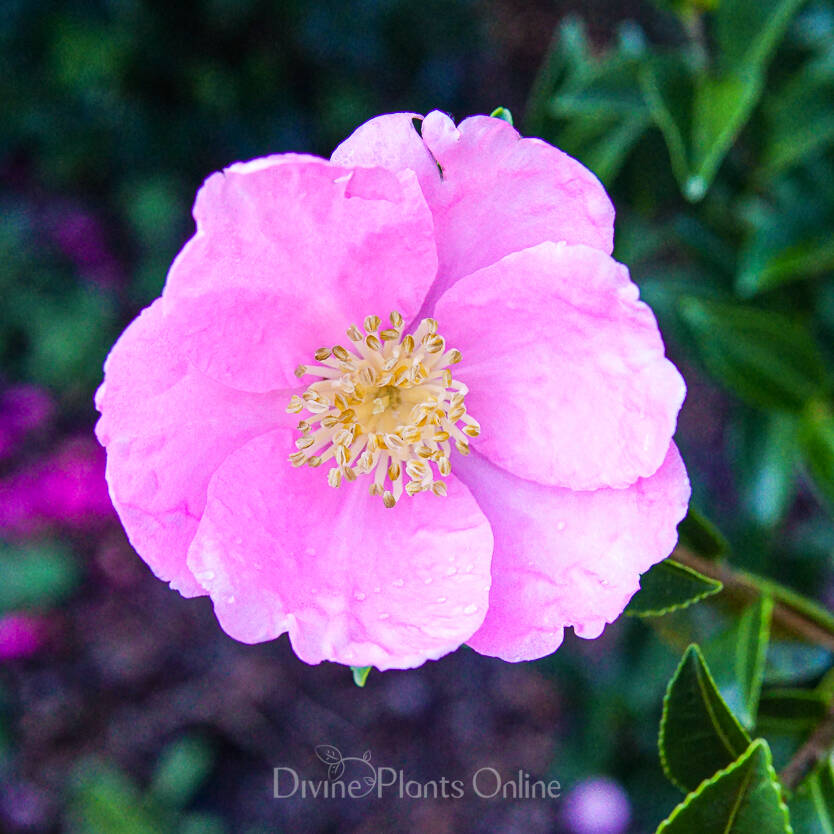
(597, 806)
(504, 473)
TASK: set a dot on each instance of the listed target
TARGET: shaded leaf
(767, 460)
(698, 733)
(104, 800)
(812, 805)
(816, 442)
(737, 659)
(791, 710)
(701, 536)
(36, 575)
(669, 586)
(747, 31)
(182, 769)
(765, 358)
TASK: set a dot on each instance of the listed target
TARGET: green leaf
(765, 358)
(699, 114)
(767, 460)
(737, 659)
(791, 710)
(183, 767)
(669, 586)
(701, 111)
(812, 805)
(594, 108)
(790, 239)
(744, 798)
(800, 120)
(698, 733)
(816, 442)
(36, 575)
(502, 113)
(105, 801)
(721, 107)
(360, 674)
(701, 536)
(747, 31)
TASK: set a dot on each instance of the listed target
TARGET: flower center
(387, 407)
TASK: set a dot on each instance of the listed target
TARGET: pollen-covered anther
(386, 407)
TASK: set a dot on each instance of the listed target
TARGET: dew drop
(560, 525)
(428, 580)
(377, 589)
(470, 609)
(441, 599)
(359, 595)
(384, 616)
(451, 571)
(398, 583)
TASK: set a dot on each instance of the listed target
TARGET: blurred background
(125, 708)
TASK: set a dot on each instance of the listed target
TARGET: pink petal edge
(167, 427)
(498, 192)
(351, 581)
(289, 251)
(564, 558)
(565, 366)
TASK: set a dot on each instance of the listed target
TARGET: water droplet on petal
(384, 616)
(359, 595)
(560, 525)
(441, 599)
(470, 609)
(398, 583)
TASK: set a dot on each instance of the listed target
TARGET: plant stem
(791, 611)
(810, 754)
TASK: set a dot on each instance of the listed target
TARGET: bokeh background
(123, 707)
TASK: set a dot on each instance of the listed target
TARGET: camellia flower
(399, 401)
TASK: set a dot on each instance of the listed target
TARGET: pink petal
(499, 193)
(352, 582)
(565, 558)
(288, 252)
(565, 366)
(167, 427)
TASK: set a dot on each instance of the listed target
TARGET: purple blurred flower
(79, 236)
(597, 806)
(23, 408)
(66, 487)
(21, 635)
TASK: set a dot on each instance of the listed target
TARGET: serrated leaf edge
(693, 647)
(693, 795)
(718, 586)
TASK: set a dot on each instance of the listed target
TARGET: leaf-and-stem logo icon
(361, 772)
